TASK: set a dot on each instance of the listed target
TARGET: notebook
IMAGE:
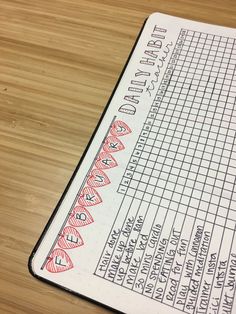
(147, 221)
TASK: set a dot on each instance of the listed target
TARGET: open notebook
(147, 222)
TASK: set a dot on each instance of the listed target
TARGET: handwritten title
(154, 57)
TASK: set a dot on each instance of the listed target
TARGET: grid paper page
(168, 178)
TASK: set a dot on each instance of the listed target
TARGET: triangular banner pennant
(97, 178)
(112, 144)
(119, 128)
(89, 197)
(70, 238)
(59, 261)
(80, 217)
(105, 161)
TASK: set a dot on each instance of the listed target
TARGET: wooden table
(59, 61)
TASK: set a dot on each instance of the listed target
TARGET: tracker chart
(181, 177)
(147, 222)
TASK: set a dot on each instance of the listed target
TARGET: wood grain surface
(59, 61)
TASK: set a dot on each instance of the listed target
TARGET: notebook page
(147, 224)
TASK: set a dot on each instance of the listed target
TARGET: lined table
(173, 239)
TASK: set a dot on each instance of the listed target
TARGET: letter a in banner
(58, 261)
(105, 161)
(70, 238)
